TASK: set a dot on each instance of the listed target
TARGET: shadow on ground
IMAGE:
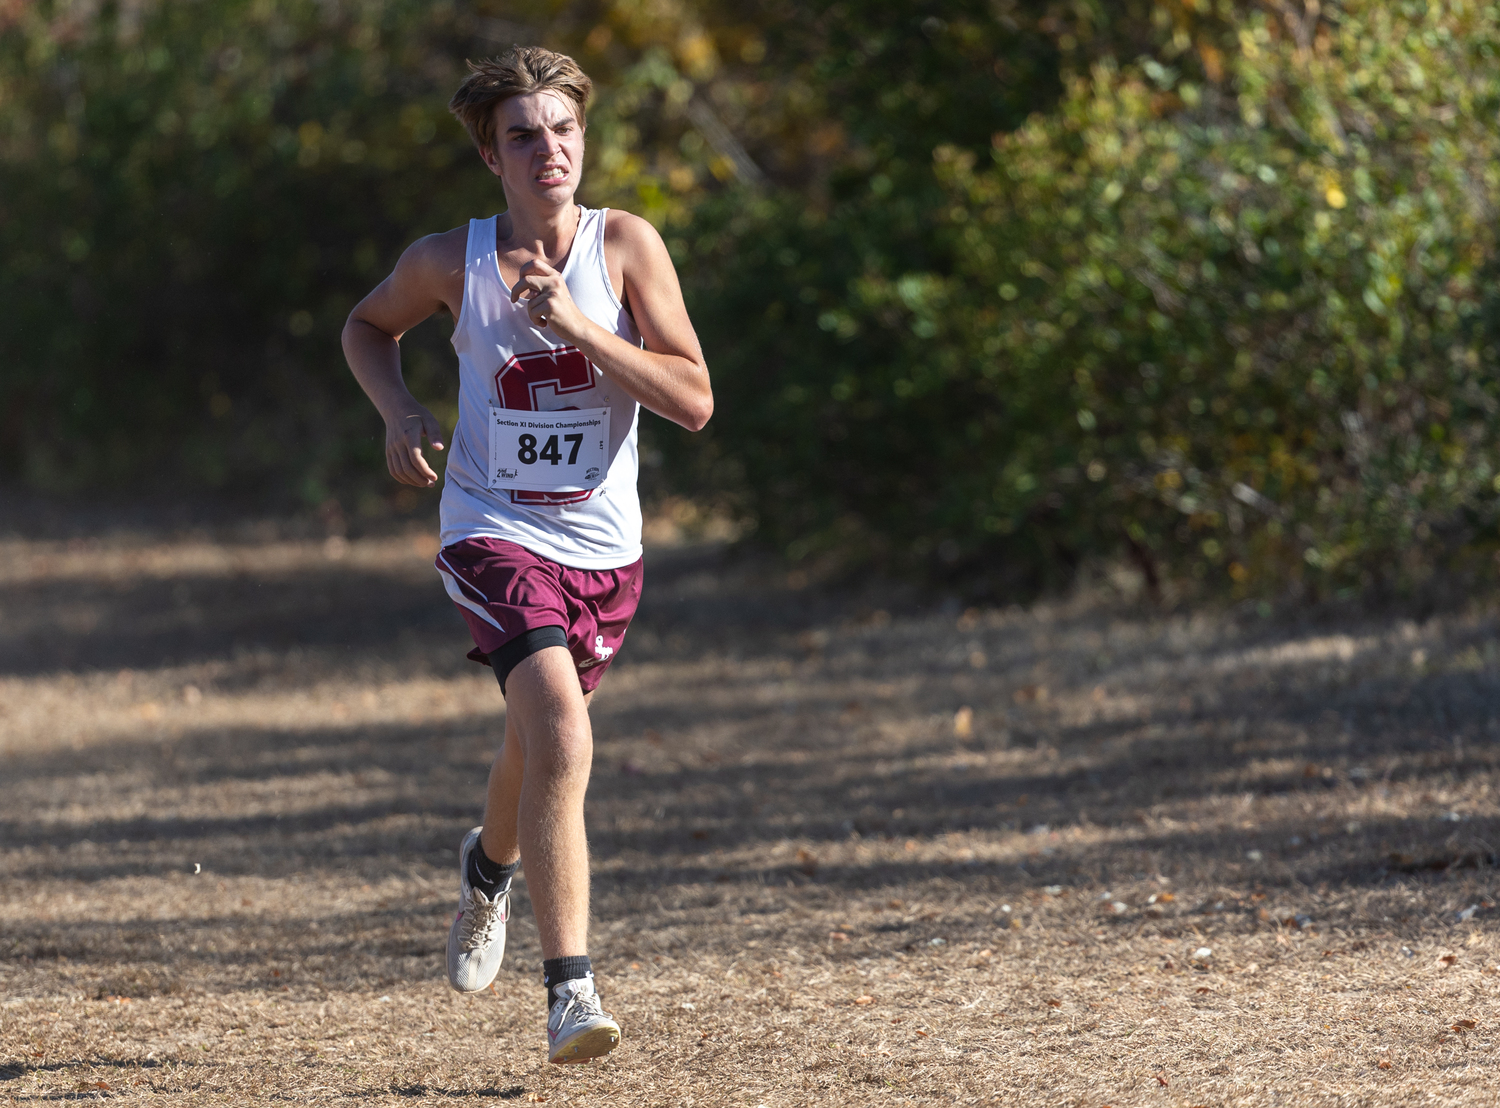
(753, 736)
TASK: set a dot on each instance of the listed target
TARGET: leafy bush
(1239, 329)
(194, 195)
(1005, 306)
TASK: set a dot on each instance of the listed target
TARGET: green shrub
(194, 195)
(1240, 330)
(1229, 308)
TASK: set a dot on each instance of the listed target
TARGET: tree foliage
(192, 193)
(991, 285)
(193, 196)
(1237, 327)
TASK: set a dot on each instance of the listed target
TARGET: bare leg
(502, 803)
(503, 799)
(534, 807)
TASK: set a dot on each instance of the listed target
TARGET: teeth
(551, 174)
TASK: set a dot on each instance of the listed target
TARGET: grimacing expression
(538, 150)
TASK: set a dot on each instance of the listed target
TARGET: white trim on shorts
(455, 587)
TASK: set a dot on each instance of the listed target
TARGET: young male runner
(567, 322)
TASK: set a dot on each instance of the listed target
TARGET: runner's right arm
(428, 279)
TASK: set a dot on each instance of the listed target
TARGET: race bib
(548, 451)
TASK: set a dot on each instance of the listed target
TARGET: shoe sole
(587, 1045)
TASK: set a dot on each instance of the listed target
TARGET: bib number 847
(528, 453)
(558, 451)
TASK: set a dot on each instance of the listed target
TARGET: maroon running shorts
(516, 603)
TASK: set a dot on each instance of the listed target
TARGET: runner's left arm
(668, 376)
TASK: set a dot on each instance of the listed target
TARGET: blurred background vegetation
(992, 290)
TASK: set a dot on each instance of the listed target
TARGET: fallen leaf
(1203, 989)
(1464, 1025)
(807, 860)
(1053, 1002)
(919, 1031)
(635, 965)
(893, 904)
(1162, 1081)
(1447, 960)
(864, 1000)
(1384, 1066)
(838, 936)
(963, 722)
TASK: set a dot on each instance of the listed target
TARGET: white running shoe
(578, 1029)
(476, 941)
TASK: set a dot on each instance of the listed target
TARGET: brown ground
(1082, 854)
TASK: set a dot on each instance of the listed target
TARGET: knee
(561, 753)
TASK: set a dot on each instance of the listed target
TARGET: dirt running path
(1068, 856)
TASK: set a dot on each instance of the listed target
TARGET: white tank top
(595, 529)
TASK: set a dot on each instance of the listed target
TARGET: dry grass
(842, 856)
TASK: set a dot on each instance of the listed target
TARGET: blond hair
(520, 70)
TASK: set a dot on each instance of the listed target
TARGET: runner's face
(538, 151)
